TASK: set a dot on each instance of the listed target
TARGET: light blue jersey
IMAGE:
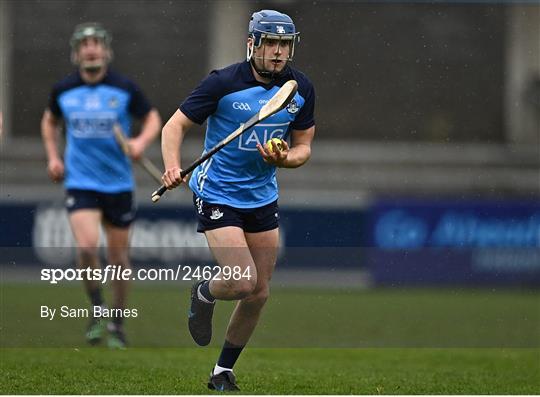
(93, 159)
(237, 175)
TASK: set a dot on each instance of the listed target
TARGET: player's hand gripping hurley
(278, 102)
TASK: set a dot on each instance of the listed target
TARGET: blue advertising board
(165, 235)
(398, 242)
(453, 242)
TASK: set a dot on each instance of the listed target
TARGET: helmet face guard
(87, 30)
(258, 42)
(270, 25)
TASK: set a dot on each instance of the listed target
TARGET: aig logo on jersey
(261, 134)
(241, 106)
(292, 107)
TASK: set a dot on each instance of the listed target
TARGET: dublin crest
(292, 107)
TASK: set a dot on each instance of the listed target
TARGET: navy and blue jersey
(237, 175)
(93, 158)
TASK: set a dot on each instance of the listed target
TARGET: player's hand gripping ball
(278, 143)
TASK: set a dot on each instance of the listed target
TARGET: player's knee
(259, 296)
(242, 288)
(87, 255)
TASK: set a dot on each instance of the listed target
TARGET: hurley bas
(96, 311)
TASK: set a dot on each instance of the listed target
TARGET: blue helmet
(274, 25)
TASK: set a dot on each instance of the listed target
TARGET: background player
(235, 191)
(98, 176)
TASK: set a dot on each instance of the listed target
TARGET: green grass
(309, 341)
(272, 371)
(294, 318)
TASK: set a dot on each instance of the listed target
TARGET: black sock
(95, 297)
(229, 355)
(117, 320)
(204, 289)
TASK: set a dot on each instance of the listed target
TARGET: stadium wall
(394, 71)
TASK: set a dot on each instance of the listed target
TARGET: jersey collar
(105, 78)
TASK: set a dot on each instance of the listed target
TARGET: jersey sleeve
(139, 105)
(305, 118)
(53, 106)
(203, 101)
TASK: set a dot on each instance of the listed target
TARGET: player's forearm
(150, 127)
(49, 133)
(171, 142)
(298, 155)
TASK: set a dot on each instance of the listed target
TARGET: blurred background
(425, 170)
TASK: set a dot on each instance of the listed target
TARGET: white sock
(218, 370)
(103, 308)
(201, 297)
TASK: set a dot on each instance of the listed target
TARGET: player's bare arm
(49, 132)
(151, 124)
(290, 157)
(172, 137)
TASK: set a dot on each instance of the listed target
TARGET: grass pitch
(308, 342)
(275, 371)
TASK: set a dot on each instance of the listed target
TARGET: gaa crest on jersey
(292, 107)
(92, 102)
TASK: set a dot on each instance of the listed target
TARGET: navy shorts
(117, 208)
(251, 220)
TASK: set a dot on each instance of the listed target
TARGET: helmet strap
(261, 72)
